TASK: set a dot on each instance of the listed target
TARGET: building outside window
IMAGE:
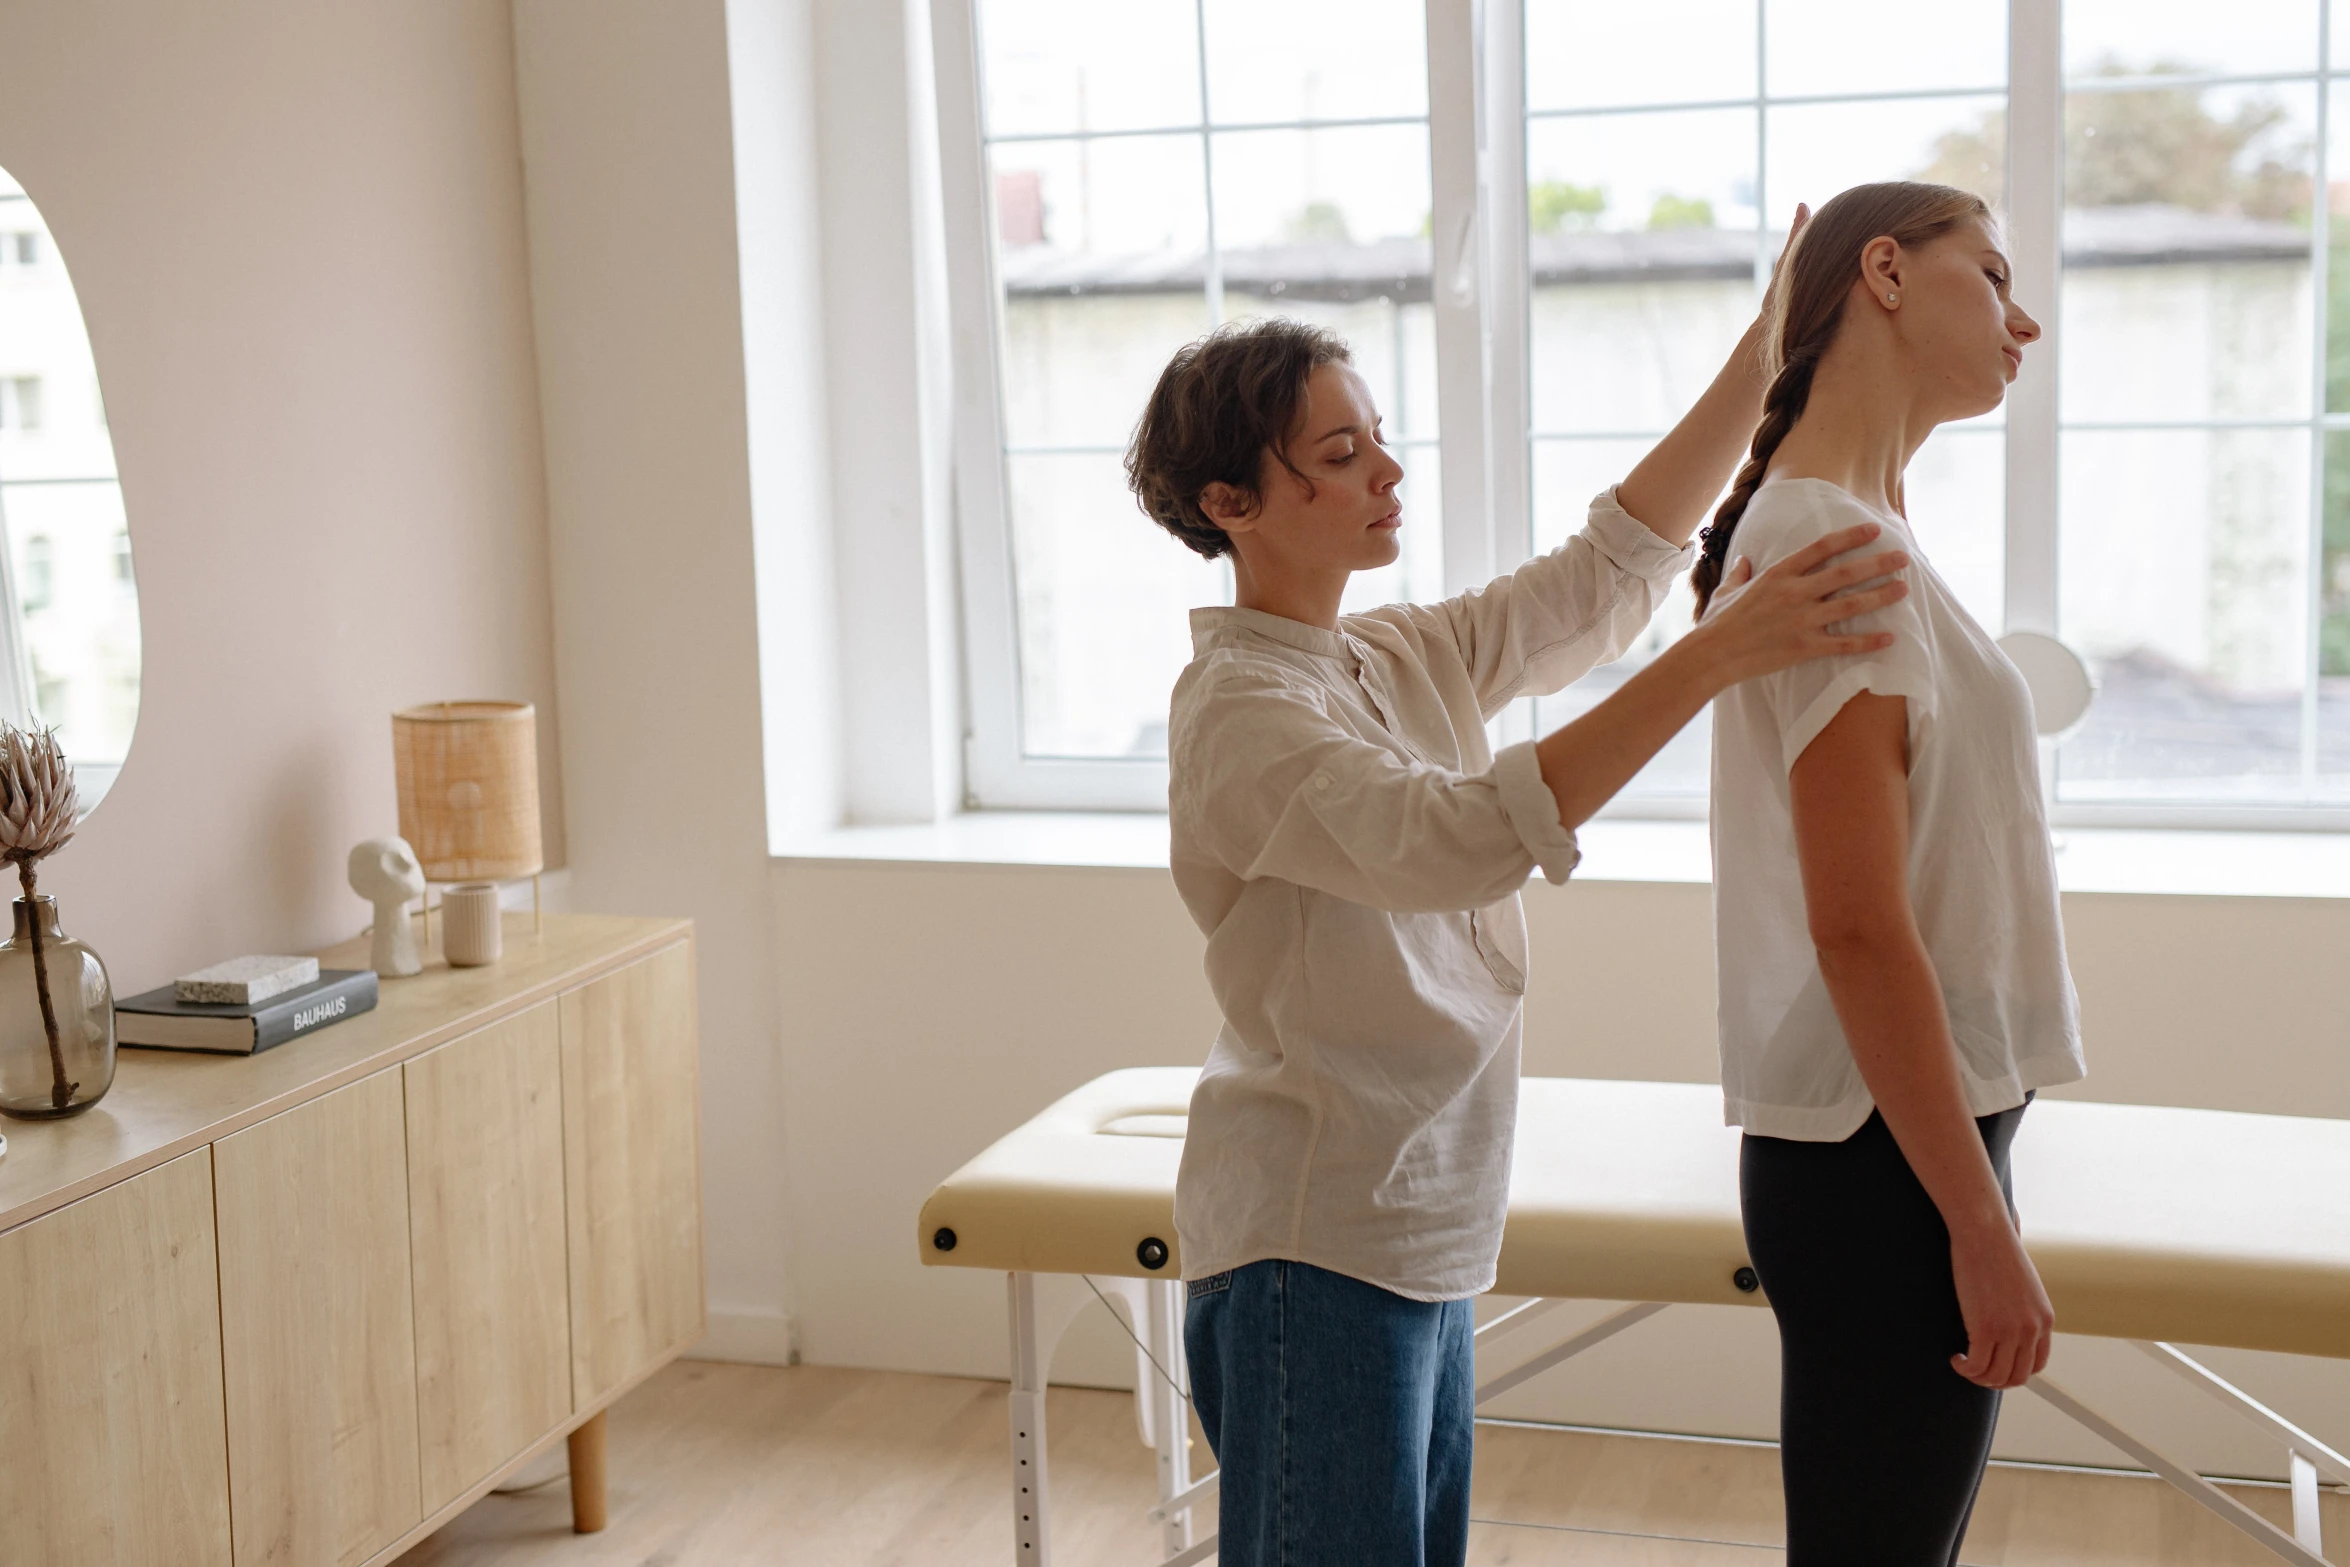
(20, 402)
(2179, 511)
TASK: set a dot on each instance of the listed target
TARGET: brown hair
(1221, 404)
(1805, 308)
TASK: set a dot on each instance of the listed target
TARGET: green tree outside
(1681, 212)
(1552, 205)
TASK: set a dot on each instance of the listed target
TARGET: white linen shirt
(1343, 834)
(1982, 875)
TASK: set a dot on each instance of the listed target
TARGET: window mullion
(1508, 340)
(990, 618)
(2320, 303)
(2035, 223)
(1459, 299)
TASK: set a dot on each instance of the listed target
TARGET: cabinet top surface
(166, 1102)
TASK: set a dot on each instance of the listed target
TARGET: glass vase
(56, 1019)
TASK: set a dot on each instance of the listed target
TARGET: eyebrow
(1344, 429)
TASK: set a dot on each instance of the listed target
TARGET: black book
(159, 1020)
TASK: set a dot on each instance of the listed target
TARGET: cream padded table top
(2195, 1226)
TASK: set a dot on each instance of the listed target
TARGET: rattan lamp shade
(469, 788)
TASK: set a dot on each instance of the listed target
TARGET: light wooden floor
(721, 1464)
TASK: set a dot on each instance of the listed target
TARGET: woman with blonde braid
(1892, 972)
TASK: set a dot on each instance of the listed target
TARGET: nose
(1392, 473)
(2022, 327)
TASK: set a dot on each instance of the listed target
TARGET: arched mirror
(69, 602)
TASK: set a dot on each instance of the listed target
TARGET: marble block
(242, 981)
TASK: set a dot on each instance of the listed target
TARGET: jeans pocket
(1213, 1284)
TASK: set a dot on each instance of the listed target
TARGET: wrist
(1981, 1221)
(1699, 659)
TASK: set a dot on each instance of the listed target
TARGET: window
(1666, 146)
(2170, 491)
(1150, 170)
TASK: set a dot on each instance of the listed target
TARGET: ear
(1229, 507)
(1882, 265)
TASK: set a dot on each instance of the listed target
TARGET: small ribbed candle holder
(470, 935)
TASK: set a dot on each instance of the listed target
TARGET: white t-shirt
(1982, 875)
(1344, 835)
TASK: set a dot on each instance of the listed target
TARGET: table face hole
(1147, 1126)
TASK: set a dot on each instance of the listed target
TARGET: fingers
(1875, 643)
(1854, 605)
(1824, 581)
(1820, 551)
(1993, 1365)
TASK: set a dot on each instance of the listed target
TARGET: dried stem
(60, 1091)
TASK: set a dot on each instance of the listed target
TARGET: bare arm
(1850, 792)
(1671, 489)
(1780, 620)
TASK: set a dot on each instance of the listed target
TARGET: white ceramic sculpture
(384, 872)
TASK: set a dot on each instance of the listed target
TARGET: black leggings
(1882, 1444)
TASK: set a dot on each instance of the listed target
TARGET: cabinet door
(317, 1339)
(633, 1164)
(485, 1208)
(111, 1447)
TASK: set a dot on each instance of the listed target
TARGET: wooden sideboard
(306, 1306)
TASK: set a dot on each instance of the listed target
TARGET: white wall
(635, 289)
(929, 1009)
(296, 232)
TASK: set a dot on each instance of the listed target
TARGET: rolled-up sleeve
(1563, 614)
(1534, 811)
(1283, 791)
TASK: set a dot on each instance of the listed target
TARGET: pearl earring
(1892, 299)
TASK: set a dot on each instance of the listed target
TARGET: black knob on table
(944, 1240)
(1152, 1253)
(1746, 1281)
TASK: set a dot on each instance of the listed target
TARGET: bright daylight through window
(2179, 511)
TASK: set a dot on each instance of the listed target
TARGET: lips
(2015, 361)
(1393, 519)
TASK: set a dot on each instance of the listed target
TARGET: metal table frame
(1154, 1309)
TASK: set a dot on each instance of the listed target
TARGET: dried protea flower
(37, 806)
(38, 802)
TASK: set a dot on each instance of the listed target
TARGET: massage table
(2156, 1226)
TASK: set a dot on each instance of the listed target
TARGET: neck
(1311, 597)
(1859, 429)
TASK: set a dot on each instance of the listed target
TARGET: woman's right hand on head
(1782, 616)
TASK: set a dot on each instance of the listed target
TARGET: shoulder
(1787, 514)
(1224, 684)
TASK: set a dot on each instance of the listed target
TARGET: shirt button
(1321, 780)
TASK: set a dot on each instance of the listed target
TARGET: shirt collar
(1207, 622)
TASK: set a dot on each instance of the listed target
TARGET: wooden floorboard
(713, 1465)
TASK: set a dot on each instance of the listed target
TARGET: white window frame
(1481, 290)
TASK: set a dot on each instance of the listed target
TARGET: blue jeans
(1343, 1417)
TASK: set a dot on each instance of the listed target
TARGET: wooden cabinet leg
(587, 1476)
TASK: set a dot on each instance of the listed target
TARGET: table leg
(587, 1475)
(1031, 1532)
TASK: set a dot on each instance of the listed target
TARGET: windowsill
(2102, 859)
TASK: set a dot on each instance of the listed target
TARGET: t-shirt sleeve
(1803, 699)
